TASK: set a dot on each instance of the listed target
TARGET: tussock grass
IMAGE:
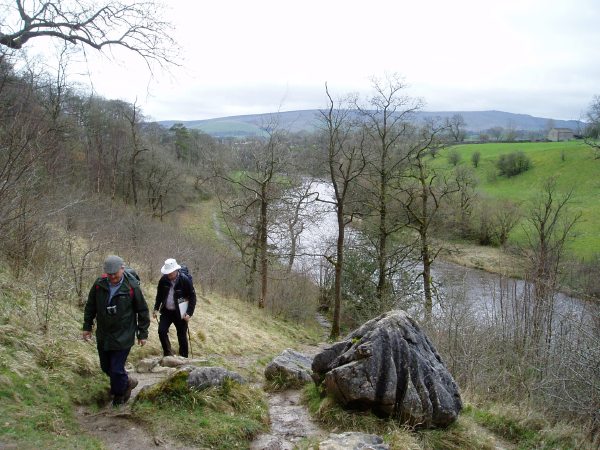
(222, 417)
(334, 418)
(238, 332)
(527, 429)
(45, 374)
(476, 428)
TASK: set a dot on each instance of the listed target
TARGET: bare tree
(266, 159)
(550, 225)
(135, 26)
(475, 158)
(387, 116)
(454, 157)
(78, 262)
(346, 162)
(292, 216)
(496, 133)
(465, 183)
(506, 216)
(592, 130)
(422, 200)
(510, 131)
(133, 119)
(160, 183)
(455, 126)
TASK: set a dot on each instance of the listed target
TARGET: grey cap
(113, 263)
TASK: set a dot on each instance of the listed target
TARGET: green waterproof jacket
(117, 331)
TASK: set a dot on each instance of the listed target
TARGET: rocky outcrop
(354, 441)
(290, 368)
(389, 365)
(204, 377)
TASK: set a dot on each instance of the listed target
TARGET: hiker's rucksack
(132, 273)
(186, 271)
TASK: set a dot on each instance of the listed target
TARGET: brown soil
(117, 429)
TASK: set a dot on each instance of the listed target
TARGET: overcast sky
(537, 57)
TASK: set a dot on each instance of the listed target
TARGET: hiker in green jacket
(117, 304)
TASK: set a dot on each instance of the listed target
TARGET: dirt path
(116, 428)
(290, 420)
(290, 423)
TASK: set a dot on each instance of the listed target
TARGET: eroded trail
(289, 417)
(290, 423)
(116, 428)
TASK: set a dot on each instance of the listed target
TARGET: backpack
(186, 271)
(132, 273)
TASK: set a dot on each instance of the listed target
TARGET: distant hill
(307, 120)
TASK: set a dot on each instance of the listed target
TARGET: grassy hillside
(573, 165)
(46, 376)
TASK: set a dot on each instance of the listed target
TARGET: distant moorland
(307, 120)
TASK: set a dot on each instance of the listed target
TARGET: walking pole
(190, 341)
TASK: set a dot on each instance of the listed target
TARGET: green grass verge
(460, 435)
(476, 428)
(223, 417)
(38, 401)
(527, 431)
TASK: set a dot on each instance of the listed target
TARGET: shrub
(513, 164)
(475, 158)
(454, 158)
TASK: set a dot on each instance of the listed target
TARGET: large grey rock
(290, 367)
(147, 364)
(179, 361)
(389, 365)
(353, 441)
(204, 377)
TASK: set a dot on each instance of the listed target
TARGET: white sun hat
(170, 266)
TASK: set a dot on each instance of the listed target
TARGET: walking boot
(131, 384)
(118, 400)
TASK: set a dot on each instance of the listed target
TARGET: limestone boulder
(354, 441)
(390, 366)
(290, 368)
(204, 377)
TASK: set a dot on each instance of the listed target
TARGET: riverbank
(490, 259)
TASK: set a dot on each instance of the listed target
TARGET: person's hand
(87, 335)
(154, 314)
(142, 342)
(186, 318)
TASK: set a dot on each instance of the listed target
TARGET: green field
(573, 165)
(229, 128)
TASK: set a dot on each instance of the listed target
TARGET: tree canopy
(135, 25)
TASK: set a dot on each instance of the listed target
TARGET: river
(487, 294)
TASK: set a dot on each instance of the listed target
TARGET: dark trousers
(167, 318)
(112, 363)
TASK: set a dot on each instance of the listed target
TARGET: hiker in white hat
(176, 301)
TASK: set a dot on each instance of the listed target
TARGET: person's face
(115, 277)
(171, 276)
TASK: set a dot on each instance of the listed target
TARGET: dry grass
(490, 259)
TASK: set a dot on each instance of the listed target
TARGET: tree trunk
(339, 264)
(426, 258)
(383, 234)
(263, 248)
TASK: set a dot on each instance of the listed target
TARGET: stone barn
(560, 134)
